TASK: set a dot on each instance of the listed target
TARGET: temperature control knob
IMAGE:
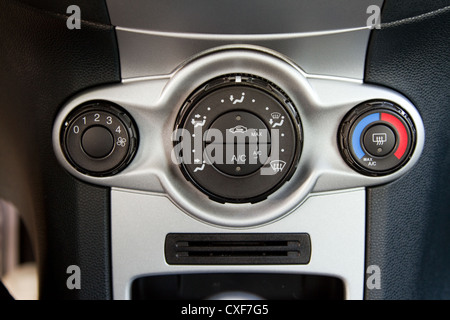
(377, 138)
(99, 139)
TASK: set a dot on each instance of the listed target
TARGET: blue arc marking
(356, 137)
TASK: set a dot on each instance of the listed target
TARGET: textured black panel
(409, 220)
(42, 63)
(394, 11)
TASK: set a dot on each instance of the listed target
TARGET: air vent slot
(233, 249)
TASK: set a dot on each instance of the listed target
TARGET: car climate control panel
(238, 129)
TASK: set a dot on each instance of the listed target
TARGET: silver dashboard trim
(240, 17)
(335, 222)
(237, 47)
(322, 36)
(339, 54)
(239, 37)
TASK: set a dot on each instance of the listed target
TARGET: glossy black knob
(97, 142)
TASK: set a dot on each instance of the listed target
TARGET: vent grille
(232, 249)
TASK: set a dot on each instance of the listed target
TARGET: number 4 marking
(118, 129)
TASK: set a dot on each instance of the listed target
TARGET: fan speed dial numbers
(99, 139)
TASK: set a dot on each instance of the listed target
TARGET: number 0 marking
(76, 129)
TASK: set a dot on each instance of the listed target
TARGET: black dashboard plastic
(408, 220)
(44, 63)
